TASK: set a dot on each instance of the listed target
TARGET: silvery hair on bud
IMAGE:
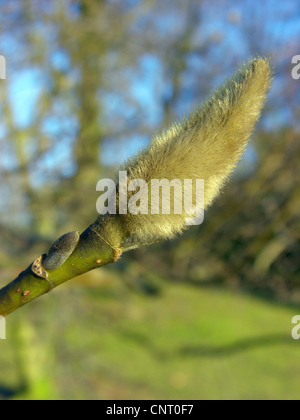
(207, 145)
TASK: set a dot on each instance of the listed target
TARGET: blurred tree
(88, 80)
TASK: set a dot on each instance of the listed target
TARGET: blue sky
(25, 87)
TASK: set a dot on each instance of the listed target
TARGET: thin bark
(91, 252)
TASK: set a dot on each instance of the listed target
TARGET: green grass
(108, 342)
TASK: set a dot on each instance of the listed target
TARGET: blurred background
(206, 316)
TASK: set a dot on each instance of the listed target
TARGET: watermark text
(296, 68)
(2, 67)
(157, 196)
(2, 328)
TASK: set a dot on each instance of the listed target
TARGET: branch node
(39, 270)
